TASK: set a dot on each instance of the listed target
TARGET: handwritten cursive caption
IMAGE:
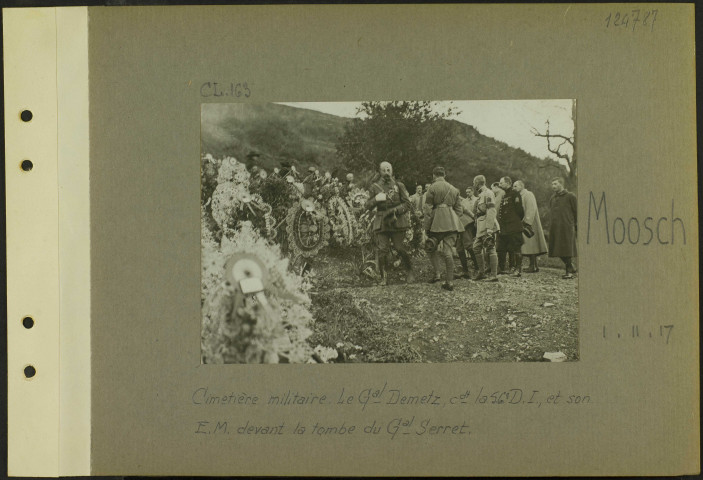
(433, 404)
(388, 395)
(408, 425)
(632, 19)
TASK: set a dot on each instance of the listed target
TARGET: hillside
(281, 133)
(474, 153)
(277, 133)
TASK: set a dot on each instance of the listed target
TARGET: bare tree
(562, 146)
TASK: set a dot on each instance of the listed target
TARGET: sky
(509, 121)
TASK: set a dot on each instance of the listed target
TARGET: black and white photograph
(389, 232)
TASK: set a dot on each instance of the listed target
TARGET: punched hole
(28, 322)
(29, 371)
(26, 165)
(26, 115)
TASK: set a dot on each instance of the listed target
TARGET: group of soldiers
(493, 227)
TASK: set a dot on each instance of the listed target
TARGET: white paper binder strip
(74, 239)
(45, 50)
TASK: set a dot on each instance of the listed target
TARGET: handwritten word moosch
(664, 230)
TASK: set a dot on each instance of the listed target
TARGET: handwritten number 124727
(632, 19)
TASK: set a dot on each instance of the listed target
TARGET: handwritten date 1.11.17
(663, 333)
(632, 19)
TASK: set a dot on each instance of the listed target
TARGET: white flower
(326, 353)
(286, 328)
(229, 168)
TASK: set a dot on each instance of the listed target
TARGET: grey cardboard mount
(636, 142)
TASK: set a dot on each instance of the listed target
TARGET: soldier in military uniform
(510, 239)
(562, 229)
(392, 203)
(465, 240)
(444, 224)
(486, 226)
(417, 200)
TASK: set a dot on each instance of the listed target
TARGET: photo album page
(352, 240)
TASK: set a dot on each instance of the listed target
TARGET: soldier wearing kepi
(392, 203)
(486, 226)
(444, 224)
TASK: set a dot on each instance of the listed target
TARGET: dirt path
(516, 319)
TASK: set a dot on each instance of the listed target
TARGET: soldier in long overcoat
(392, 203)
(444, 224)
(536, 245)
(562, 229)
